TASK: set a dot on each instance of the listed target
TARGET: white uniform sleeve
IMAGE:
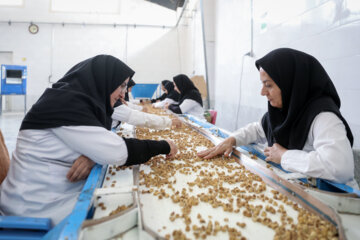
(160, 104)
(121, 113)
(187, 105)
(134, 106)
(125, 114)
(97, 143)
(251, 133)
(332, 158)
(163, 102)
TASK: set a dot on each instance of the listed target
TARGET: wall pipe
(205, 55)
(90, 24)
(182, 12)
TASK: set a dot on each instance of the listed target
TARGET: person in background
(70, 120)
(190, 98)
(130, 85)
(172, 96)
(303, 126)
(163, 96)
(129, 100)
(123, 113)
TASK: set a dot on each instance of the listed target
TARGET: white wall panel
(32, 51)
(327, 29)
(190, 39)
(127, 12)
(153, 54)
(73, 44)
(343, 80)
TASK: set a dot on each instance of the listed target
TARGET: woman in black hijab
(163, 96)
(71, 120)
(131, 102)
(172, 96)
(190, 98)
(171, 92)
(303, 127)
(130, 84)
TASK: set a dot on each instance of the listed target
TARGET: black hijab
(187, 89)
(164, 82)
(81, 97)
(130, 84)
(172, 94)
(164, 95)
(306, 91)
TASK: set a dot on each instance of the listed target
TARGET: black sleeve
(175, 108)
(140, 151)
(162, 97)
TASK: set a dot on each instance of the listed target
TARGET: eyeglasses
(123, 85)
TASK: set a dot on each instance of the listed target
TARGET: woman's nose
(262, 91)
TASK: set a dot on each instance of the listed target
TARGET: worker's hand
(80, 170)
(225, 147)
(166, 106)
(176, 123)
(123, 101)
(274, 153)
(145, 109)
(173, 149)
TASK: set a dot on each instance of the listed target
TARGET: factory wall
(151, 51)
(190, 39)
(193, 47)
(327, 29)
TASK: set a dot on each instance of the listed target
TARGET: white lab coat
(192, 107)
(327, 152)
(162, 103)
(134, 103)
(36, 184)
(134, 106)
(141, 119)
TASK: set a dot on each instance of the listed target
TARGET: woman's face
(119, 92)
(270, 90)
(176, 88)
(163, 88)
(166, 91)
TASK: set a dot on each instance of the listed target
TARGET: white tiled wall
(151, 51)
(327, 29)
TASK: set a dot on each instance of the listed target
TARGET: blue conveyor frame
(69, 228)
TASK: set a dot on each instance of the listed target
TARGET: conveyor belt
(135, 227)
(322, 184)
